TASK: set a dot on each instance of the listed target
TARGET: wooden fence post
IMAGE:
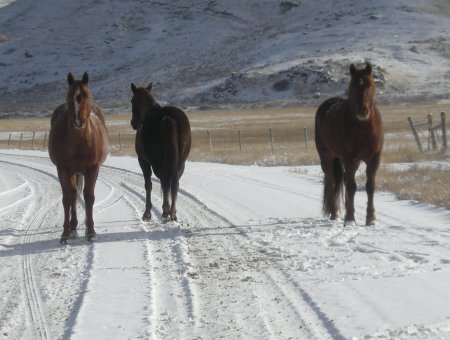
(271, 139)
(415, 133)
(431, 134)
(45, 140)
(444, 132)
(239, 139)
(120, 142)
(209, 139)
(32, 140)
(9, 140)
(20, 143)
(305, 130)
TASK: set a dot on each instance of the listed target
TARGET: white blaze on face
(77, 108)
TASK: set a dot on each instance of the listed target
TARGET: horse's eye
(78, 98)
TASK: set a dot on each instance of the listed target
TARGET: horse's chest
(351, 142)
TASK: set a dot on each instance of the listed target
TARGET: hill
(221, 53)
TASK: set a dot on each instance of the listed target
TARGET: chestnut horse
(348, 131)
(163, 143)
(78, 145)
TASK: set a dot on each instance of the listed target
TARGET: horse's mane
(98, 112)
(61, 109)
(153, 112)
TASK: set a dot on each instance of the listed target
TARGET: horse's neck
(153, 113)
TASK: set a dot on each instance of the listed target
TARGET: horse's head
(78, 100)
(141, 102)
(361, 91)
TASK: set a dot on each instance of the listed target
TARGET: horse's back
(164, 137)
(178, 115)
(56, 132)
(330, 110)
(331, 106)
(97, 118)
(182, 128)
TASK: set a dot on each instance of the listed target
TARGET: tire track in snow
(312, 322)
(168, 267)
(105, 287)
(33, 299)
(35, 306)
(22, 191)
(297, 302)
(33, 219)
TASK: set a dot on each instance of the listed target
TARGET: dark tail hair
(338, 175)
(170, 135)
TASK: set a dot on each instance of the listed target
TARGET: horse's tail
(80, 186)
(171, 157)
(338, 176)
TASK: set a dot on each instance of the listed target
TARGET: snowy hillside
(210, 53)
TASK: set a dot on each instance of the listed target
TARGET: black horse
(163, 143)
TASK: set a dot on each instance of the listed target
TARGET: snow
(250, 257)
(228, 53)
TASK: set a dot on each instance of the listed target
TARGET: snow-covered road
(250, 258)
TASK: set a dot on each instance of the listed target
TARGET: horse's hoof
(349, 223)
(371, 222)
(63, 241)
(146, 218)
(91, 238)
(73, 234)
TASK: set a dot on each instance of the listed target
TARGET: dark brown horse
(349, 131)
(78, 145)
(163, 143)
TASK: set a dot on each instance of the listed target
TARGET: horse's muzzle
(363, 115)
(78, 123)
(134, 125)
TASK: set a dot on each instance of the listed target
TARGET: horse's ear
(85, 79)
(70, 78)
(368, 69)
(149, 87)
(133, 88)
(352, 69)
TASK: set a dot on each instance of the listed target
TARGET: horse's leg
(371, 170)
(147, 172)
(174, 193)
(73, 208)
(90, 179)
(69, 194)
(181, 170)
(165, 186)
(350, 190)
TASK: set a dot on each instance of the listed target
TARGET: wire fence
(272, 139)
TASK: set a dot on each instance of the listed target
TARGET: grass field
(273, 136)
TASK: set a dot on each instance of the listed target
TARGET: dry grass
(417, 183)
(288, 136)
